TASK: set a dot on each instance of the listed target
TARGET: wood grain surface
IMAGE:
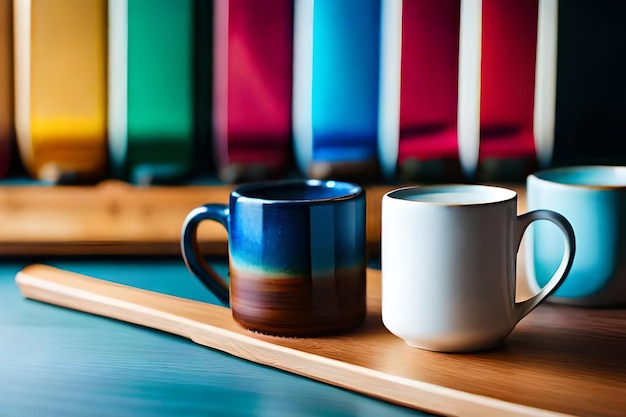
(110, 218)
(115, 218)
(558, 360)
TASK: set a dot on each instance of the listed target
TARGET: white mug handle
(523, 308)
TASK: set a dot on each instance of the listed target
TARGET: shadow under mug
(297, 255)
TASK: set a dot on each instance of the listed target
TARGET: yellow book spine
(62, 91)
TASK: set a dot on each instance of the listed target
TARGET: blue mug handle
(191, 253)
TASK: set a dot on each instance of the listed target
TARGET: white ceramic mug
(448, 265)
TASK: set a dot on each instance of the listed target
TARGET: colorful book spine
(545, 81)
(60, 84)
(497, 88)
(151, 89)
(253, 60)
(336, 87)
(419, 97)
(591, 86)
(6, 84)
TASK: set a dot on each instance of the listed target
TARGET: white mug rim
(497, 194)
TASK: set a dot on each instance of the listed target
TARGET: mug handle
(523, 221)
(191, 253)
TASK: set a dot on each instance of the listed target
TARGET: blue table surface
(60, 362)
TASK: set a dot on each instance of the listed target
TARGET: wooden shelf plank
(115, 218)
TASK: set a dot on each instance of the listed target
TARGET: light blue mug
(593, 199)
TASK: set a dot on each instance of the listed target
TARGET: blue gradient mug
(593, 199)
(297, 255)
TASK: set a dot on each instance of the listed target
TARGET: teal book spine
(151, 89)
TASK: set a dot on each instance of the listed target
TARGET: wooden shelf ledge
(115, 218)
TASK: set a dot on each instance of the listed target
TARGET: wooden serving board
(558, 360)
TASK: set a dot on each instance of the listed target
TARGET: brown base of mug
(313, 329)
(299, 306)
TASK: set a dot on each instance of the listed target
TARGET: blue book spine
(336, 78)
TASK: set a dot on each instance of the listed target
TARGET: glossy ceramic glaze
(593, 199)
(448, 265)
(297, 255)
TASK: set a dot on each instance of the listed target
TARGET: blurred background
(376, 91)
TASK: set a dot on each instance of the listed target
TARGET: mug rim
(549, 176)
(352, 191)
(401, 194)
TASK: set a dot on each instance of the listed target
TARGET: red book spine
(508, 60)
(253, 58)
(428, 80)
